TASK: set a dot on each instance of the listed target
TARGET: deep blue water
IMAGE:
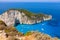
(51, 27)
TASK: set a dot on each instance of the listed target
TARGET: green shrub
(28, 33)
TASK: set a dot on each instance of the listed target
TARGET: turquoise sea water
(51, 27)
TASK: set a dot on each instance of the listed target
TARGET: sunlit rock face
(2, 35)
(31, 36)
(11, 17)
(37, 36)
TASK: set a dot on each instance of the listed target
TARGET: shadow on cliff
(16, 22)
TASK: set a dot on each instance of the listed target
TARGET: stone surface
(11, 17)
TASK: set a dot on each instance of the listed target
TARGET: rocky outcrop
(13, 16)
(38, 36)
(9, 33)
(2, 25)
(33, 36)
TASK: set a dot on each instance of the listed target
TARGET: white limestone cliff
(10, 16)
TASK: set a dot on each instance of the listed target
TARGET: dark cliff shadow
(16, 22)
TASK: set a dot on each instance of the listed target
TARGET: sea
(51, 27)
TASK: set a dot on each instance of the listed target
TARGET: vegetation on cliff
(2, 25)
(12, 33)
(39, 36)
(28, 33)
(9, 30)
(31, 15)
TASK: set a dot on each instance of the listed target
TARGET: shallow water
(51, 27)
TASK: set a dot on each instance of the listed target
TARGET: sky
(29, 0)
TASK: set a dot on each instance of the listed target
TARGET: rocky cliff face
(12, 16)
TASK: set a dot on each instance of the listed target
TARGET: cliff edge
(22, 16)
